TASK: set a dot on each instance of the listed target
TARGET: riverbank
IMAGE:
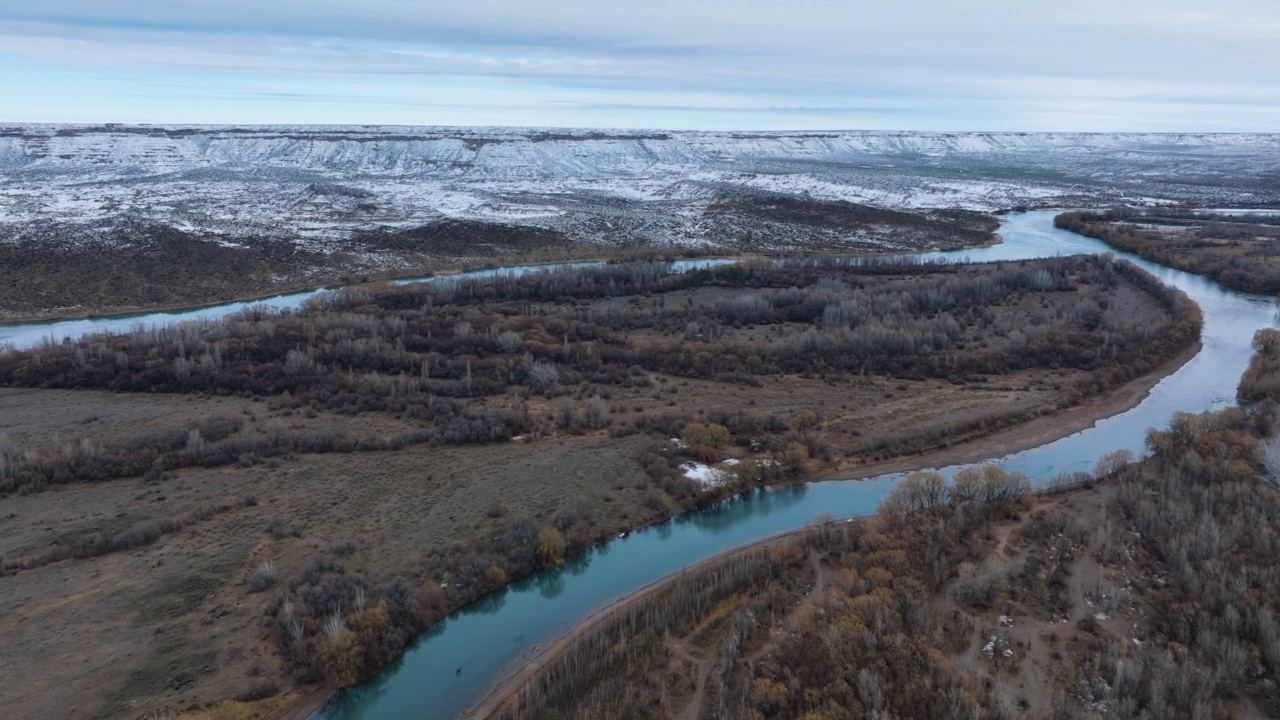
(308, 702)
(1206, 383)
(1039, 645)
(1041, 430)
(331, 277)
(397, 507)
(510, 683)
(1236, 252)
(338, 283)
(383, 521)
(1023, 436)
(344, 279)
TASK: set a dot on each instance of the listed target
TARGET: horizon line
(104, 125)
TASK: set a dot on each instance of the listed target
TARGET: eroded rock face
(327, 182)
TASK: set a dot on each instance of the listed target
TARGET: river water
(449, 668)
(21, 336)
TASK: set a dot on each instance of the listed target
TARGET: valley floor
(173, 622)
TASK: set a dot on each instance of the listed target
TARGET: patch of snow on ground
(705, 475)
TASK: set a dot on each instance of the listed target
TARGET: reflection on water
(726, 514)
(492, 602)
(550, 585)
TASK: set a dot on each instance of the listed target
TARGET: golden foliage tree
(341, 657)
(551, 546)
(713, 435)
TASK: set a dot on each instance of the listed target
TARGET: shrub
(263, 578)
(551, 546)
(712, 435)
(298, 363)
(340, 655)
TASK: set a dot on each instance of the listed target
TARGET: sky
(1016, 65)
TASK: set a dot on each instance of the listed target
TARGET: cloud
(912, 64)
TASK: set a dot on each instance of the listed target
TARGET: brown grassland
(197, 501)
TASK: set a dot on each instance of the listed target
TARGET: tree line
(1231, 254)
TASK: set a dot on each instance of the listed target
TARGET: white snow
(318, 183)
(705, 475)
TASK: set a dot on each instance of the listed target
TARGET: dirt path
(690, 711)
(821, 573)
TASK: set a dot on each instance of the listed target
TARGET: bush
(551, 545)
(263, 578)
(711, 435)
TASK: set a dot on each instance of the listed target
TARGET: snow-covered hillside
(322, 184)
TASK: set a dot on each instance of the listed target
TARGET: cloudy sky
(1156, 65)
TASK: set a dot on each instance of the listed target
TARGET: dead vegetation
(467, 360)
(378, 414)
(1239, 251)
(1144, 590)
(64, 268)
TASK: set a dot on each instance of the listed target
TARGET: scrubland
(1146, 589)
(1238, 251)
(242, 511)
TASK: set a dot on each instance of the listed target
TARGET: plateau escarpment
(308, 205)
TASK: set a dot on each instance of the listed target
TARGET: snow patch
(705, 475)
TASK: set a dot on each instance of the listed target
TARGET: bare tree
(509, 341)
(334, 624)
(1271, 461)
(543, 375)
(595, 413)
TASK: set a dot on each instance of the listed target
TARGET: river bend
(449, 668)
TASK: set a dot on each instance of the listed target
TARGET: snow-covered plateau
(320, 182)
(96, 218)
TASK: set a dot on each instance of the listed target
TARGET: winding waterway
(450, 667)
(23, 335)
